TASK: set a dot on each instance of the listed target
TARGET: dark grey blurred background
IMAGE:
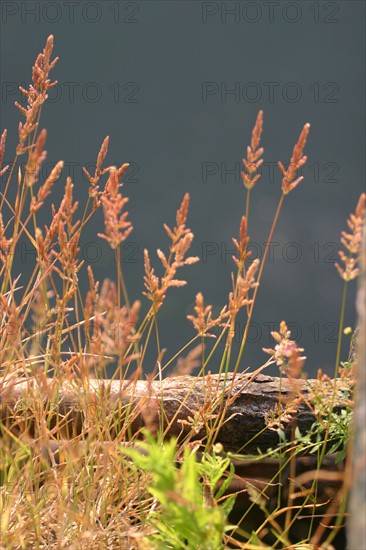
(177, 85)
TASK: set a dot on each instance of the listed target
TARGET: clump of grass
(108, 483)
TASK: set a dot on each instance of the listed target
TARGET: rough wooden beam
(172, 403)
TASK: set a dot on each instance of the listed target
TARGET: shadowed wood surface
(181, 405)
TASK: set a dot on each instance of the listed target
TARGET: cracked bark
(171, 403)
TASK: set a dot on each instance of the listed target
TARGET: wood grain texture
(243, 402)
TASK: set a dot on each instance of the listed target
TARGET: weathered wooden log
(181, 405)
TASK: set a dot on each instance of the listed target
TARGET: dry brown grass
(59, 489)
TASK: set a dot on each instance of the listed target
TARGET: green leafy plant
(188, 514)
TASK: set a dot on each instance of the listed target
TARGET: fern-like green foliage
(192, 511)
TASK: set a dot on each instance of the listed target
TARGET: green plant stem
(279, 493)
(340, 331)
(336, 370)
(176, 355)
(157, 335)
